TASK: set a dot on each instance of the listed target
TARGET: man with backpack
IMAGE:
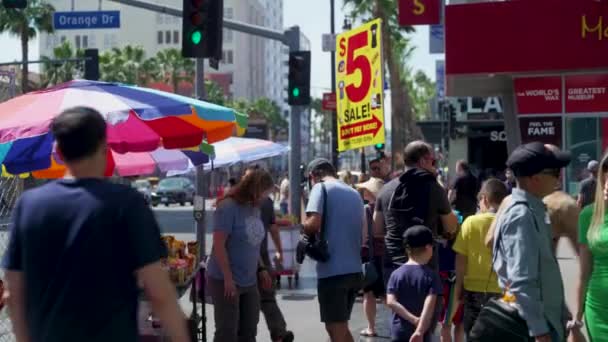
(415, 198)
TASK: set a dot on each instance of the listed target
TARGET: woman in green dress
(592, 292)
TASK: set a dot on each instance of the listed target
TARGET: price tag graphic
(360, 81)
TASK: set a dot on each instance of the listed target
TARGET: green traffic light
(295, 92)
(379, 146)
(196, 37)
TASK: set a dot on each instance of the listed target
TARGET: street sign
(436, 39)
(329, 101)
(86, 20)
(329, 42)
(359, 80)
(440, 79)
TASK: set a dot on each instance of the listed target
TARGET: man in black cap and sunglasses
(524, 260)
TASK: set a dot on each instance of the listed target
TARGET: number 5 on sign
(359, 83)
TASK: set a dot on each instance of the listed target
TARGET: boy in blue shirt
(413, 289)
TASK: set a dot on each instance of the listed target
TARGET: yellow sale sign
(359, 87)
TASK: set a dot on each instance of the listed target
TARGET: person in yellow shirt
(475, 280)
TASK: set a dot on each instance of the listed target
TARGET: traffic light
(14, 3)
(202, 22)
(91, 64)
(451, 112)
(379, 147)
(299, 79)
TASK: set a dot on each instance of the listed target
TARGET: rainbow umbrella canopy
(147, 128)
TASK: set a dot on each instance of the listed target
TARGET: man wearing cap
(339, 279)
(586, 195)
(524, 259)
(380, 168)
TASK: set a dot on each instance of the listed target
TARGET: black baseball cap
(417, 236)
(317, 164)
(532, 158)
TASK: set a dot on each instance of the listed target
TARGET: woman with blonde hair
(592, 289)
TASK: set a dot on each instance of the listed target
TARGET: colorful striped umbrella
(146, 127)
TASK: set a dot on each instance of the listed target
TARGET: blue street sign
(440, 78)
(436, 39)
(86, 20)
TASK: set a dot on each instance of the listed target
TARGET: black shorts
(337, 296)
(377, 287)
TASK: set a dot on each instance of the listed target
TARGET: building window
(159, 18)
(229, 57)
(228, 36)
(160, 37)
(167, 37)
(85, 42)
(93, 42)
(77, 42)
(175, 37)
(228, 13)
(62, 39)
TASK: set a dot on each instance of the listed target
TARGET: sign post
(359, 83)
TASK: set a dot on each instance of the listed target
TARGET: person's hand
(265, 279)
(278, 256)
(417, 336)
(543, 338)
(229, 288)
(576, 335)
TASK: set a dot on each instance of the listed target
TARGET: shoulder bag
(315, 246)
(498, 320)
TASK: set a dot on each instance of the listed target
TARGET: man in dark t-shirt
(463, 192)
(269, 306)
(79, 247)
(586, 194)
(419, 158)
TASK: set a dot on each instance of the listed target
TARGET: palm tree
(271, 112)
(174, 68)
(128, 65)
(25, 24)
(215, 94)
(55, 73)
(395, 50)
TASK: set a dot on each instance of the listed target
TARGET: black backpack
(410, 201)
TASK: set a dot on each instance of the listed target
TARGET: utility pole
(334, 114)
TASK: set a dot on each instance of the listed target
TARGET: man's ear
(59, 153)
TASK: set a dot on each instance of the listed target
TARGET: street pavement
(299, 304)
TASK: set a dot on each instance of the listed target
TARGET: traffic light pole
(295, 157)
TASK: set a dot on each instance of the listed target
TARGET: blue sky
(313, 18)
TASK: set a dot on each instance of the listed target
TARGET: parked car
(174, 190)
(145, 188)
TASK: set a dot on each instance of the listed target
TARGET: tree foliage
(56, 72)
(26, 24)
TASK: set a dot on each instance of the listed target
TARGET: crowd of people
(437, 256)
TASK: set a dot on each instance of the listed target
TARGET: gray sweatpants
(236, 319)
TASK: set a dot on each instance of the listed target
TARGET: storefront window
(584, 141)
